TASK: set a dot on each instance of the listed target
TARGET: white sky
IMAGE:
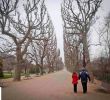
(54, 9)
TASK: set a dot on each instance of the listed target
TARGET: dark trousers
(75, 88)
(84, 85)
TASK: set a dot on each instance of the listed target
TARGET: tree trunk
(1, 72)
(56, 66)
(1, 68)
(49, 66)
(50, 69)
(76, 59)
(25, 70)
(17, 74)
(86, 58)
(42, 66)
(84, 62)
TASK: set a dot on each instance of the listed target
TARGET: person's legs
(84, 84)
(85, 87)
(75, 88)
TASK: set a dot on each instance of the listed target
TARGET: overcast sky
(54, 9)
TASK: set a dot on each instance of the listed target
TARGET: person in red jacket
(75, 81)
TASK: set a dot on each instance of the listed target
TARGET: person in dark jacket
(75, 81)
(84, 76)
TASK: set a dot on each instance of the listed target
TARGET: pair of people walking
(84, 76)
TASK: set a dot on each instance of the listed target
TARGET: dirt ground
(55, 86)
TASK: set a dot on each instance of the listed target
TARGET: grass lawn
(10, 75)
(7, 75)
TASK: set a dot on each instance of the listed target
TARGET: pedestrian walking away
(84, 76)
(75, 81)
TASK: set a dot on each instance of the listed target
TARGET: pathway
(55, 86)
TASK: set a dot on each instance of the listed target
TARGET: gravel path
(55, 86)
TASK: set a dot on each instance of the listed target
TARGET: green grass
(10, 75)
(7, 75)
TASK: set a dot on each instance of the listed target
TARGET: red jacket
(74, 78)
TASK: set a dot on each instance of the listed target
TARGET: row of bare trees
(78, 16)
(26, 31)
(104, 36)
(102, 63)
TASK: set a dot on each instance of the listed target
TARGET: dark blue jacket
(84, 76)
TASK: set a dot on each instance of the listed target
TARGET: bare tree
(20, 25)
(72, 49)
(6, 8)
(59, 62)
(38, 53)
(104, 37)
(78, 15)
(44, 49)
(40, 46)
(52, 53)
